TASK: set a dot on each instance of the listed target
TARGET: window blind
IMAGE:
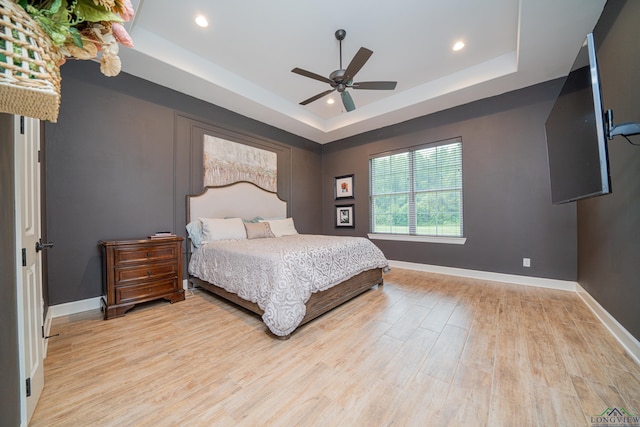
(418, 190)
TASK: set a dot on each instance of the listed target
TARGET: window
(417, 191)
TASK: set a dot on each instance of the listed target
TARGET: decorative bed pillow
(194, 229)
(282, 227)
(257, 230)
(222, 229)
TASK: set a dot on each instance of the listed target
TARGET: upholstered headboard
(238, 200)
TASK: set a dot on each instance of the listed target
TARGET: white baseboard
(628, 341)
(84, 305)
(74, 307)
(540, 282)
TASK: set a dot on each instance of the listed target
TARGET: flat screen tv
(576, 134)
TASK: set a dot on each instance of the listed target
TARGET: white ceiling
(242, 61)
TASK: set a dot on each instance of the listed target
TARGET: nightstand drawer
(135, 254)
(145, 291)
(148, 271)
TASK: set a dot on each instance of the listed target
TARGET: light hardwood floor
(424, 350)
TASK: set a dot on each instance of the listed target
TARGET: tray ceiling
(243, 60)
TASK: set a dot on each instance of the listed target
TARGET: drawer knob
(148, 254)
(148, 273)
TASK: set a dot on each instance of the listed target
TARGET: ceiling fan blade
(316, 97)
(312, 75)
(374, 85)
(356, 63)
(347, 101)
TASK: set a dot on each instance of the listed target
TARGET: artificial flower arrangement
(83, 28)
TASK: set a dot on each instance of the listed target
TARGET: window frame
(412, 234)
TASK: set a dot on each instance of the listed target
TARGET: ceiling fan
(342, 79)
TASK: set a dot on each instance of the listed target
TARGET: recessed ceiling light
(459, 45)
(202, 21)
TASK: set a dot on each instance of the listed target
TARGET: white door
(30, 303)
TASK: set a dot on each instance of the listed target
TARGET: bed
(287, 278)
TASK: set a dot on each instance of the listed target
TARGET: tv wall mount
(624, 129)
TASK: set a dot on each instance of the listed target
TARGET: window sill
(426, 239)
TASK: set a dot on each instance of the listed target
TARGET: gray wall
(122, 158)
(9, 375)
(507, 202)
(609, 226)
(120, 143)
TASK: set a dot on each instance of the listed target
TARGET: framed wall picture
(344, 216)
(226, 162)
(343, 188)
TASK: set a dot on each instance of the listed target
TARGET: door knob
(40, 246)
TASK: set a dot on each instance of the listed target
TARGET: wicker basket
(29, 70)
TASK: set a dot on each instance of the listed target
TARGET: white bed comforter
(280, 274)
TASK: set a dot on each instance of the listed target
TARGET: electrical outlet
(526, 262)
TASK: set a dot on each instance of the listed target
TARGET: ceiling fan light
(330, 101)
(458, 46)
(201, 21)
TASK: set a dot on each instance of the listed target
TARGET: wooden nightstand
(136, 271)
